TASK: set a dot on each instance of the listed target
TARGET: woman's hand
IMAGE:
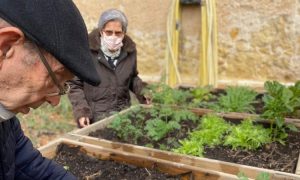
(148, 99)
(83, 122)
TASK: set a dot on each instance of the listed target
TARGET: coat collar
(5, 114)
(102, 59)
(94, 42)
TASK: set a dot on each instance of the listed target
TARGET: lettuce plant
(214, 131)
(210, 132)
(190, 148)
(246, 135)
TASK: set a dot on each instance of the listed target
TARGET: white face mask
(112, 43)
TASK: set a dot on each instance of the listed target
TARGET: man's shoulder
(11, 123)
(11, 120)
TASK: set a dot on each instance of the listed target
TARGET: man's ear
(10, 36)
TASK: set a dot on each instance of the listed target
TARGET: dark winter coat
(19, 160)
(113, 92)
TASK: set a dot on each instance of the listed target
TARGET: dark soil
(273, 156)
(258, 104)
(86, 167)
(167, 143)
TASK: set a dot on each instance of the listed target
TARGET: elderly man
(116, 57)
(42, 44)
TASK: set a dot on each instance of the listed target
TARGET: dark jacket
(113, 92)
(19, 160)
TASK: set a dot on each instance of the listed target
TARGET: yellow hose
(202, 69)
(172, 54)
(208, 70)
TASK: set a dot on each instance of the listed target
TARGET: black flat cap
(56, 26)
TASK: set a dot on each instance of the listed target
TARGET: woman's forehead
(113, 25)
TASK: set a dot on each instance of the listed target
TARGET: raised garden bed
(217, 165)
(88, 161)
(277, 98)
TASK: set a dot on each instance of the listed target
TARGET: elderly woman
(116, 61)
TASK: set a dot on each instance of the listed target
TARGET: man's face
(30, 84)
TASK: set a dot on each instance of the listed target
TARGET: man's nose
(54, 100)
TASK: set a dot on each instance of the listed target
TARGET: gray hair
(113, 15)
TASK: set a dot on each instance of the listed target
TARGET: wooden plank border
(104, 122)
(298, 167)
(170, 167)
(226, 167)
(205, 163)
(238, 116)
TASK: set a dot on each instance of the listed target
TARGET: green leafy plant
(124, 128)
(157, 128)
(153, 123)
(166, 119)
(236, 99)
(180, 115)
(242, 176)
(263, 176)
(190, 148)
(279, 102)
(296, 100)
(260, 176)
(214, 131)
(210, 132)
(200, 95)
(164, 94)
(246, 135)
(162, 112)
(171, 113)
(138, 114)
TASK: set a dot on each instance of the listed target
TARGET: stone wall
(258, 39)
